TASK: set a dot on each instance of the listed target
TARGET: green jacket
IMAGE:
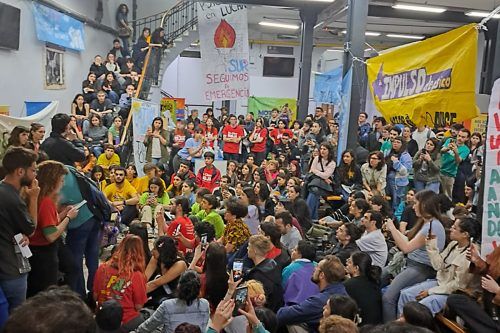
(148, 142)
(214, 219)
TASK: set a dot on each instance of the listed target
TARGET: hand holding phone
(237, 270)
(240, 298)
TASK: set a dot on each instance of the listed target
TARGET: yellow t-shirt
(104, 161)
(143, 184)
(136, 182)
(113, 193)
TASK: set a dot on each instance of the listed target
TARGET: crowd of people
(288, 235)
(389, 235)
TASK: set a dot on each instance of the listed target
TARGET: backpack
(96, 201)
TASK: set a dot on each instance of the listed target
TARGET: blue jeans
(15, 290)
(420, 185)
(412, 274)
(435, 303)
(113, 96)
(84, 241)
(4, 309)
(97, 150)
(313, 204)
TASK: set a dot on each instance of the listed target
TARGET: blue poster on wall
(58, 28)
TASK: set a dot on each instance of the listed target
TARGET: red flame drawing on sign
(225, 35)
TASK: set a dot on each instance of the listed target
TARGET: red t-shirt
(208, 178)
(232, 132)
(187, 230)
(179, 138)
(47, 217)
(261, 146)
(210, 135)
(276, 135)
(128, 292)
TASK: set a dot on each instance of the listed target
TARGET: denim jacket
(403, 167)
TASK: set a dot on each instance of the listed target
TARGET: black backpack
(96, 201)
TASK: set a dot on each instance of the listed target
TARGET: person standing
(454, 151)
(83, 234)
(156, 142)
(63, 145)
(232, 135)
(18, 218)
(51, 225)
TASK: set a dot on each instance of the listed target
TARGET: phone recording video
(203, 240)
(240, 298)
(237, 269)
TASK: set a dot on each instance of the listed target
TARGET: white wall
(151, 7)
(23, 70)
(183, 78)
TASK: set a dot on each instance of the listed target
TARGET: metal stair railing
(175, 22)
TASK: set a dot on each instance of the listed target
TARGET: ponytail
(364, 263)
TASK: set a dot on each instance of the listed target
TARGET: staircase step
(178, 39)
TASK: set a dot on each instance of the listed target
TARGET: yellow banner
(431, 82)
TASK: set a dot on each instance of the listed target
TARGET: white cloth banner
(7, 123)
(491, 202)
(143, 113)
(224, 51)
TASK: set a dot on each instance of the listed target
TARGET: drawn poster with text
(491, 202)
(224, 51)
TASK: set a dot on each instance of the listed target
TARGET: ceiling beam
(448, 16)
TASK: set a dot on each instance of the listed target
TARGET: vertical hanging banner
(344, 114)
(431, 82)
(491, 199)
(143, 113)
(224, 51)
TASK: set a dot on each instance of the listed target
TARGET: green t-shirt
(195, 208)
(449, 166)
(214, 219)
(386, 147)
(164, 200)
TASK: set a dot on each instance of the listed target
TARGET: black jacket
(269, 274)
(62, 150)
(367, 295)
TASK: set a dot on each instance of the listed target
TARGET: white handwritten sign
(224, 51)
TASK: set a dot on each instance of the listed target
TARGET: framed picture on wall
(54, 69)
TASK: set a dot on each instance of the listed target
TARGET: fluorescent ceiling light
(405, 36)
(319, 24)
(332, 50)
(367, 33)
(481, 14)
(419, 8)
(279, 25)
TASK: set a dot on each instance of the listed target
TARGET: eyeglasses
(374, 158)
